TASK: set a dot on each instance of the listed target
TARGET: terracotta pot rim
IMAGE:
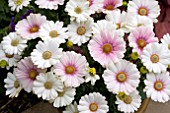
(143, 106)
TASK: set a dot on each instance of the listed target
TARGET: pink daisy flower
(71, 68)
(110, 5)
(29, 28)
(158, 86)
(121, 77)
(140, 37)
(95, 5)
(26, 73)
(107, 47)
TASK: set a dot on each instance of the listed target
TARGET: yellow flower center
(154, 58)
(70, 69)
(158, 85)
(78, 10)
(93, 107)
(118, 25)
(141, 43)
(3, 63)
(47, 55)
(92, 71)
(121, 77)
(143, 11)
(53, 34)
(128, 99)
(107, 48)
(60, 94)
(81, 30)
(15, 42)
(9, 56)
(48, 85)
(109, 7)
(16, 84)
(32, 74)
(18, 2)
(34, 29)
(121, 95)
(169, 46)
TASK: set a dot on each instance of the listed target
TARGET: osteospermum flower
(149, 8)
(121, 20)
(71, 68)
(80, 33)
(102, 25)
(166, 41)
(72, 108)
(53, 31)
(110, 5)
(46, 86)
(11, 60)
(158, 86)
(155, 57)
(49, 4)
(121, 77)
(64, 97)
(93, 103)
(107, 47)
(46, 54)
(18, 4)
(26, 73)
(140, 37)
(91, 75)
(29, 28)
(13, 43)
(128, 103)
(79, 10)
(12, 85)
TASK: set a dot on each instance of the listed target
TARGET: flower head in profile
(12, 85)
(26, 73)
(166, 41)
(158, 86)
(107, 47)
(95, 5)
(29, 28)
(72, 108)
(121, 77)
(93, 103)
(71, 68)
(49, 4)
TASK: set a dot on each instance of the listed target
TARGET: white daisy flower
(93, 103)
(46, 54)
(80, 33)
(155, 57)
(12, 85)
(103, 25)
(53, 31)
(12, 60)
(46, 86)
(71, 68)
(91, 75)
(72, 108)
(65, 97)
(18, 4)
(158, 86)
(79, 10)
(29, 28)
(49, 4)
(13, 43)
(121, 20)
(128, 103)
(149, 8)
(121, 77)
(166, 41)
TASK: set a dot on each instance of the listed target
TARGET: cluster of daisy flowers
(123, 45)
